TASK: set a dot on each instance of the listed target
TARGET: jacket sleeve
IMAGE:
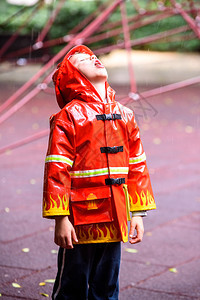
(59, 160)
(139, 184)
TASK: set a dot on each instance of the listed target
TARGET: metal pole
(16, 34)
(76, 40)
(135, 25)
(128, 47)
(171, 87)
(146, 94)
(56, 41)
(50, 21)
(187, 18)
(144, 40)
(25, 141)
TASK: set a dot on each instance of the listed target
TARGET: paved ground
(166, 265)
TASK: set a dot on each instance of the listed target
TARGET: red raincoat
(95, 169)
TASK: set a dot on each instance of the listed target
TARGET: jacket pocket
(91, 205)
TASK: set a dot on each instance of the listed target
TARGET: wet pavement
(166, 265)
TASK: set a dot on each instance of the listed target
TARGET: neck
(101, 89)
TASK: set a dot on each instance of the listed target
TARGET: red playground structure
(97, 27)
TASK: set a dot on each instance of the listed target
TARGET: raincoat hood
(71, 84)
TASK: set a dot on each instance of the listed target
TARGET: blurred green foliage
(74, 11)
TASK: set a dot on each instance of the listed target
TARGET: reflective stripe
(119, 170)
(138, 159)
(59, 158)
(89, 173)
(99, 172)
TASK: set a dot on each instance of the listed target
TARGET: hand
(64, 232)
(136, 224)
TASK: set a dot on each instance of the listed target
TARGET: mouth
(98, 64)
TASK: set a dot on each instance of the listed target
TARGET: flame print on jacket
(97, 233)
(142, 199)
(60, 206)
(124, 230)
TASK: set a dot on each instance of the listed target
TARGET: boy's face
(90, 66)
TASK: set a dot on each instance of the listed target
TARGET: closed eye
(84, 59)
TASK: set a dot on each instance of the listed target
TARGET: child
(95, 175)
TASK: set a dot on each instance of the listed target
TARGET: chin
(101, 76)
(104, 73)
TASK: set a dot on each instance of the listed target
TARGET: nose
(92, 57)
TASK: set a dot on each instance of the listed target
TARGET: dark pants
(88, 271)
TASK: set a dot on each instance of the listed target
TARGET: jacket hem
(50, 215)
(98, 241)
